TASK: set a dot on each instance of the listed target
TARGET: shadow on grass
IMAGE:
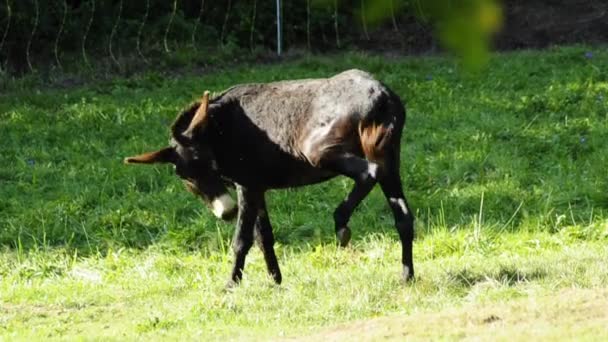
(506, 275)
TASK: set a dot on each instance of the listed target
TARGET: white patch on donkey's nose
(372, 169)
(222, 205)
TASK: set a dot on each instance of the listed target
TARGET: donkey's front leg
(265, 239)
(249, 204)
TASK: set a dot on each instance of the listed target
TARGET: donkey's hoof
(231, 284)
(343, 235)
(278, 279)
(408, 274)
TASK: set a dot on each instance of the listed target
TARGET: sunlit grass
(157, 292)
(505, 171)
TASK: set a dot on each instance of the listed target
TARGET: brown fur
(374, 138)
(200, 116)
(289, 134)
(161, 156)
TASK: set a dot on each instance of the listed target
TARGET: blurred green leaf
(464, 27)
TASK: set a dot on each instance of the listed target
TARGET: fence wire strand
(197, 22)
(168, 28)
(140, 31)
(364, 20)
(336, 23)
(308, 25)
(29, 42)
(9, 15)
(251, 47)
(86, 34)
(394, 20)
(224, 26)
(59, 32)
(113, 33)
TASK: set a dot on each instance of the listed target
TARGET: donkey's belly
(300, 178)
(275, 174)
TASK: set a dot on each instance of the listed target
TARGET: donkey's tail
(374, 139)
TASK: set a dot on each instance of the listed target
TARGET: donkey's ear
(200, 117)
(166, 155)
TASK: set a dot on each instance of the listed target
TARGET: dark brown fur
(289, 134)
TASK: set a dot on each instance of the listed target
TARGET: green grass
(504, 169)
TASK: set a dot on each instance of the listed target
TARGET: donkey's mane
(181, 122)
(183, 119)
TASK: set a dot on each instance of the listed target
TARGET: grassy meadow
(505, 170)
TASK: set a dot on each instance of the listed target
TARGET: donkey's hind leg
(390, 182)
(364, 173)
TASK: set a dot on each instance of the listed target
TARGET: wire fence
(42, 32)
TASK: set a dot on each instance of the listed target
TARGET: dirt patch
(569, 314)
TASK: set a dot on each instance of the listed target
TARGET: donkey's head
(193, 159)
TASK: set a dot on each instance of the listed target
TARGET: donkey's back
(309, 117)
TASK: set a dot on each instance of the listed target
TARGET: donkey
(286, 134)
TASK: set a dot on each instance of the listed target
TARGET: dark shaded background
(38, 34)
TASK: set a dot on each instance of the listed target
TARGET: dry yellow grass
(572, 314)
